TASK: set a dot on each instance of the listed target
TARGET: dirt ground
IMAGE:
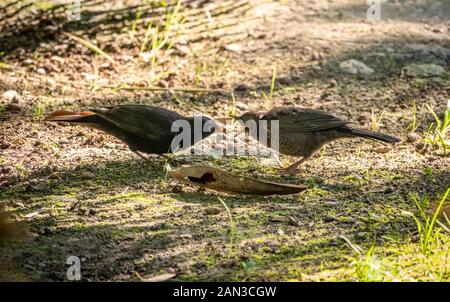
(83, 193)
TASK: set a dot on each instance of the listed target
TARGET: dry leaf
(160, 278)
(33, 214)
(219, 180)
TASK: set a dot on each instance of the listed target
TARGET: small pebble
(41, 71)
(233, 48)
(383, 150)
(242, 106)
(422, 147)
(285, 81)
(412, 137)
(48, 230)
(329, 219)
(87, 175)
(14, 107)
(242, 87)
(213, 211)
(331, 203)
(10, 95)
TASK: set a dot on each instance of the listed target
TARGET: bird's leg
(293, 169)
(142, 156)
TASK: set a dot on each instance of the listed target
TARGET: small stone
(233, 48)
(334, 243)
(27, 62)
(41, 71)
(141, 206)
(412, 137)
(4, 145)
(294, 221)
(333, 83)
(20, 205)
(280, 232)
(422, 147)
(87, 175)
(11, 96)
(277, 219)
(104, 66)
(57, 59)
(424, 70)
(389, 190)
(329, 219)
(383, 150)
(14, 107)
(213, 211)
(83, 211)
(182, 50)
(349, 221)
(331, 203)
(316, 56)
(48, 230)
(355, 67)
(242, 106)
(177, 188)
(242, 87)
(285, 81)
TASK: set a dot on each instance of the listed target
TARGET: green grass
(429, 233)
(436, 136)
(158, 38)
(367, 267)
(412, 127)
(272, 87)
(233, 228)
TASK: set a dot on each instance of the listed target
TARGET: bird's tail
(74, 117)
(371, 135)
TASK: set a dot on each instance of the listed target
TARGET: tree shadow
(87, 180)
(26, 27)
(175, 242)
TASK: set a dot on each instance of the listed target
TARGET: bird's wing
(294, 119)
(145, 121)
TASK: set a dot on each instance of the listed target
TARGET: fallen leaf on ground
(159, 278)
(219, 180)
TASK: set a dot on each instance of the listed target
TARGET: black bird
(303, 131)
(143, 128)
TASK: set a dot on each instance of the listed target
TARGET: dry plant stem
(187, 89)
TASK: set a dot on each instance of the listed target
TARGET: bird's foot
(145, 158)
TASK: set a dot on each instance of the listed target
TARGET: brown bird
(303, 131)
(143, 128)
